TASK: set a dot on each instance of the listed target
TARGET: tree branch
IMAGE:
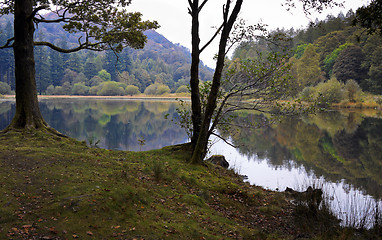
(86, 45)
(220, 137)
(36, 10)
(212, 39)
(202, 5)
(7, 44)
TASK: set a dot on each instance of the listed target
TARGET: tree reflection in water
(339, 151)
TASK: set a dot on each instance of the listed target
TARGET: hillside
(332, 57)
(161, 62)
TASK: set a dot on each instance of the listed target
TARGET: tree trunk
(194, 81)
(200, 149)
(27, 114)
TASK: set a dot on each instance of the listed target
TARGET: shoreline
(138, 97)
(173, 97)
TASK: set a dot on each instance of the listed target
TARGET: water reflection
(117, 124)
(339, 151)
(333, 144)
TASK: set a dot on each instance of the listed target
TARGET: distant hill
(161, 61)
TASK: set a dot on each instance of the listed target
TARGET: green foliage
(330, 60)
(331, 91)
(157, 89)
(80, 89)
(5, 88)
(352, 91)
(308, 68)
(104, 75)
(80, 78)
(95, 81)
(94, 90)
(66, 89)
(369, 16)
(132, 90)
(110, 89)
(307, 94)
(50, 90)
(151, 90)
(183, 89)
(349, 64)
(160, 61)
(300, 50)
(162, 89)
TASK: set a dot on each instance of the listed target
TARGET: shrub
(352, 91)
(332, 90)
(157, 89)
(104, 75)
(307, 94)
(50, 90)
(132, 90)
(58, 90)
(111, 89)
(151, 90)
(183, 89)
(80, 78)
(66, 88)
(95, 81)
(93, 90)
(162, 89)
(5, 88)
(122, 85)
(80, 89)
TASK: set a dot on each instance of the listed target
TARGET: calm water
(340, 152)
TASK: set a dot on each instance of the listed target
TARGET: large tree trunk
(27, 114)
(194, 81)
(200, 149)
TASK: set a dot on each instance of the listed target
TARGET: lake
(340, 152)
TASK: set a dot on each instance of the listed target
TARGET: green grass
(59, 188)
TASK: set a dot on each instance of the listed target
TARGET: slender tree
(229, 18)
(101, 25)
(201, 120)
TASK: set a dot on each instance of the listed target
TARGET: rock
(218, 160)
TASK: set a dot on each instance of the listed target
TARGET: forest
(161, 67)
(332, 58)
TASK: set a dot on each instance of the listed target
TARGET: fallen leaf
(89, 233)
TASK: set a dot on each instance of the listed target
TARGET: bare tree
(202, 120)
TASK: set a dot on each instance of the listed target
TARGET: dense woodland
(331, 57)
(161, 65)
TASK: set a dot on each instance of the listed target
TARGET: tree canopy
(103, 24)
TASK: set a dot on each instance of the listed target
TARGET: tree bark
(200, 149)
(194, 71)
(28, 115)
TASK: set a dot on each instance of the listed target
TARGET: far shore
(137, 97)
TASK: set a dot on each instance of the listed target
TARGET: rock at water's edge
(218, 160)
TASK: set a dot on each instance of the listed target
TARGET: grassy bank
(59, 188)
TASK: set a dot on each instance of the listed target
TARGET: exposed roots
(44, 129)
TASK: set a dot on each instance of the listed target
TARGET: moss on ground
(59, 188)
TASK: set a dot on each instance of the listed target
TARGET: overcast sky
(176, 23)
